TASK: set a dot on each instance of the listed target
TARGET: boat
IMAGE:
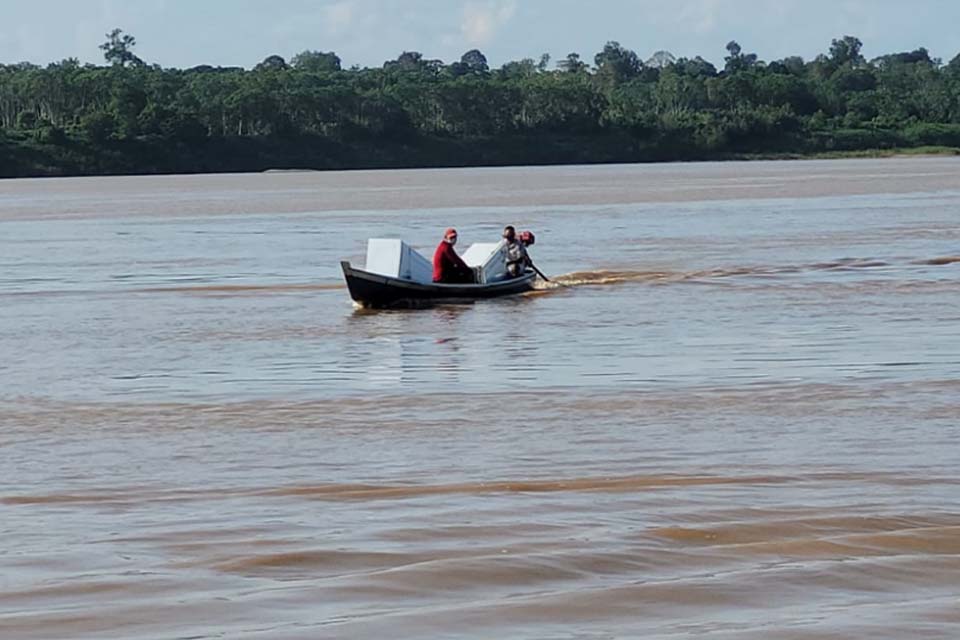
(376, 291)
(396, 275)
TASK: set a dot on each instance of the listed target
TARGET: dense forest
(129, 116)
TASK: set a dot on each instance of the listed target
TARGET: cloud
(702, 16)
(329, 24)
(709, 17)
(481, 20)
(338, 16)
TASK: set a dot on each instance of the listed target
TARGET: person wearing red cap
(448, 267)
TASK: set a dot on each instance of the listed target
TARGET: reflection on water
(732, 418)
(385, 354)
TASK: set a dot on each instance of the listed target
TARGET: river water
(733, 413)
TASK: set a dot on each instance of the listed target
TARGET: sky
(185, 33)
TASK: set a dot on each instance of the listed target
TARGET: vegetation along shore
(130, 116)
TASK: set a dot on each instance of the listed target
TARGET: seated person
(517, 258)
(448, 267)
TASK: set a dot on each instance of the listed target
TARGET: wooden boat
(396, 275)
(379, 291)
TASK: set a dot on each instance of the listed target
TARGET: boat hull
(377, 291)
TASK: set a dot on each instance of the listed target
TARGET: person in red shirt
(448, 267)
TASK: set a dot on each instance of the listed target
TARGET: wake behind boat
(397, 275)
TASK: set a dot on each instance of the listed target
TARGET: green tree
(472, 62)
(316, 61)
(616, 64)
(572, 64)
(917, 56)
(676, 93)
(118, 49)
(272, 63)
(846, 50)
(696, 67)
(99, 127)
(737, 61)
(791, 65)
(519, 68)
(410, 64)
(661, 60)
(318, 114)
(27, 120)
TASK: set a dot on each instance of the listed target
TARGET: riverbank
(915, 152)
(27, 156)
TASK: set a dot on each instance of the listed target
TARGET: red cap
(449, 232)
(527, 237)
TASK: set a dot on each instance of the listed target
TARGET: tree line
(131, 116)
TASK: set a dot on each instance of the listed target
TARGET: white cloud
(702, 16)
(338, 16)
(481, 20)
(709, 17)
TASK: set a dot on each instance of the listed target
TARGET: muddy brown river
(733, 413)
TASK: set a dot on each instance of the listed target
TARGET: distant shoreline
(909, 152)
(132, 117)
(250, 155)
